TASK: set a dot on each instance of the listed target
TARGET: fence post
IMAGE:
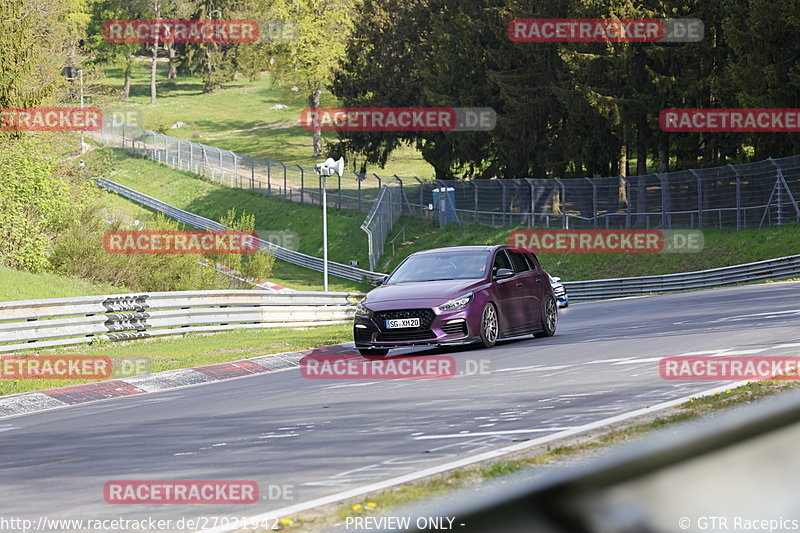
(269, 177)
(594, 201)
(302, 182)
(358, 180)
(627, 201)
(563, 206)
(532, 219)
(699, 199)
(665, 222)
(738, 197)
(504, 200)
(338, 191)
(475, 199)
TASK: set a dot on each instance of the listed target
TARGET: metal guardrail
(284, 254)
(48, 323)
(597, 289)
(770, 269)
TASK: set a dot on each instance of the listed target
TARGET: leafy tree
(323, 29)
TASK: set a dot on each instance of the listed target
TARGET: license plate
(402, 323)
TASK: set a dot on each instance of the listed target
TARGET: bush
(79, 252)
(36, 203)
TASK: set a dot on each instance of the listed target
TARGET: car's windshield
(440, 266)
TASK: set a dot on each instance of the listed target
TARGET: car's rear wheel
(375, 353)
(490, 325)
(549, 317)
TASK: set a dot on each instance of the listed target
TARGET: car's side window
(519, 261)
(534, 262)
(500, 261)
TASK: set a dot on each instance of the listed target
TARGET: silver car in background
(559, 291)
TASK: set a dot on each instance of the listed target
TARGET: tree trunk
(154, 63)
(126, 86)
(641, 148)
(313, 103)
(663, 153)
(173, 64)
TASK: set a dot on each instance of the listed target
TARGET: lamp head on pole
(329, 167)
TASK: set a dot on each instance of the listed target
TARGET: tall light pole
(326, 170)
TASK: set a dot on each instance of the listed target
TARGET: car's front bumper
(436, 328)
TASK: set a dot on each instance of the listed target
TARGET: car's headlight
(362, 309)
(458, 303)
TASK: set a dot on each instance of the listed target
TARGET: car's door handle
(519, 284)
(539, 279)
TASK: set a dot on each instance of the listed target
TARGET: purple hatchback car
(457, 295)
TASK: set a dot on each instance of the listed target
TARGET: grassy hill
(347, 241)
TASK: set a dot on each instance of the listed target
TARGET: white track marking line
(791, 345)
(636, 361)
(489, 433)
(255, 520)
(706, 352)
(744, 352)
(608, 360)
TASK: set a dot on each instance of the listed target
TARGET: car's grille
(425, 316)
(455, 327)
(363, 335)
(408, 335)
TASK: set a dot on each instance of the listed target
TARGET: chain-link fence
(751, 195)
(381, 219)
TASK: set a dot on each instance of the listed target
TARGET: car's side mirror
(383, 280)
(503, 273)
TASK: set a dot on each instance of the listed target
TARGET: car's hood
(422, 292)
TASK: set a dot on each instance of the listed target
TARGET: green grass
(157, 355)
(18, 285)
(214, 119)
(346, 240)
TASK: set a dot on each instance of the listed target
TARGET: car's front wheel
(490, 325)
(375, 353)
(549, 317)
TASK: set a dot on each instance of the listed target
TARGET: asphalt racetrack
(302, 439)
